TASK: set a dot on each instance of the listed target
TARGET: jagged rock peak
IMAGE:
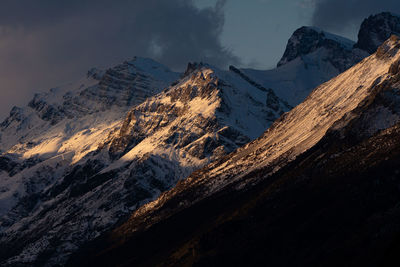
(376, 29)
(95, 73)
(193, 66)
(148, 65)
(389, 48)
(306, 40)
(136, 64)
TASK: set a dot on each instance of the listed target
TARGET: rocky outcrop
(306, 40)
(376, 29)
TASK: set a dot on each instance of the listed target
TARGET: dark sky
(344, 16)
(45, 43)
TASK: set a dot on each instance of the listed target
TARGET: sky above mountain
(46, 43)
(344, 16)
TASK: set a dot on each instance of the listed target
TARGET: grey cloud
(336, 15)
(45, 42)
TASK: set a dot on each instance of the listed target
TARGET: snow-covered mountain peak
(150, 67)
(115, 90)
(146, 66)
(376, 29)
(344, 42)
(313, 56)
(193, 66)
(306, 40)
(220, 101)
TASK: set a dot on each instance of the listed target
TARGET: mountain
(314, 56)
(376, 29)
(68, 122)
(101, 94)
(80, 166)
(43, 142)
(78, 160)
(307, 40)
(319, 188)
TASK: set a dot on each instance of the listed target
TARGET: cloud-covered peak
(48, 42)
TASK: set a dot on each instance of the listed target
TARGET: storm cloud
(337, 15)
(44, 43)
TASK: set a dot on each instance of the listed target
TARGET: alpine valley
(138, 165)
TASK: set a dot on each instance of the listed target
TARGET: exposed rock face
(376, 29)
(306, 40)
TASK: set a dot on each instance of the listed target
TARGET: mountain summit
(337, 50)
(313, 56)
(376, 29)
